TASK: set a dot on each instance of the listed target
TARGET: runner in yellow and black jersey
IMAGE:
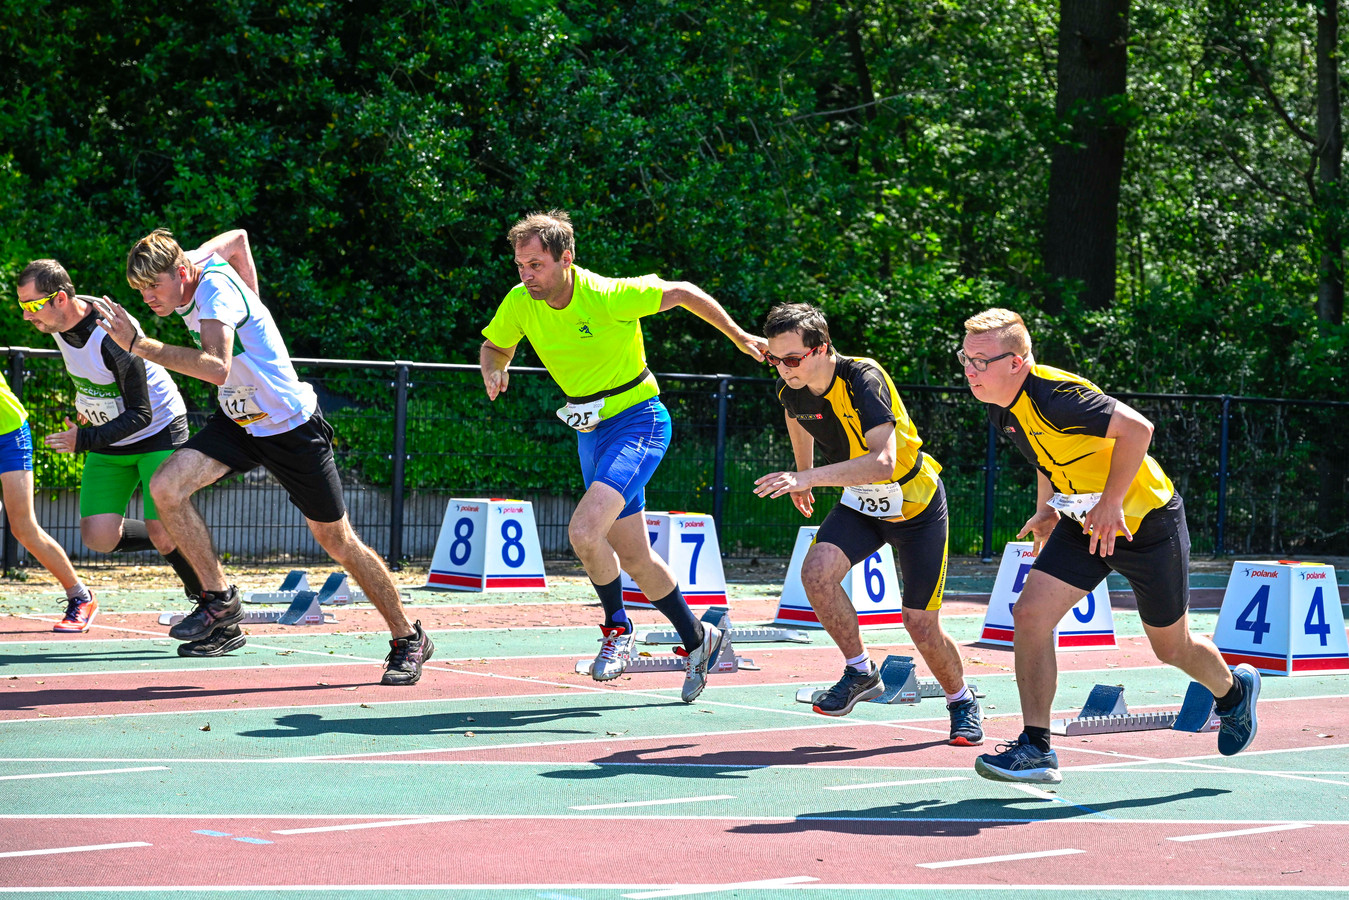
(892, 494)
(1103, 504)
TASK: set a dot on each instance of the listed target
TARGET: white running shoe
(615, 653)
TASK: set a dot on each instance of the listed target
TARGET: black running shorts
(1156, 562)
(300, 459)
(919, 544)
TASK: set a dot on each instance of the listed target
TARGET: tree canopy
(888, 160)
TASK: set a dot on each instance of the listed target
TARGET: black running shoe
(851, 689)
(225, 640)
(403, 665)
(215, 610)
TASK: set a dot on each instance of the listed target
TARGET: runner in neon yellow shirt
(587, 331)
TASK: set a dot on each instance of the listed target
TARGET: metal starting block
(1105, 712)
(724, 663)
(336, 590)
(716, 614)
(901, 685)
(304, 609)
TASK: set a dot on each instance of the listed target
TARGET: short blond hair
(152, 256)
(1004, 325)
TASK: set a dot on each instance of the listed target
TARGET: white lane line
(629, 803)
(886, 784)
(686, 890)
(1035, 791)
(90, 772)
(1011, 857)
(1291, 826)
(75, 849)
(359, 825)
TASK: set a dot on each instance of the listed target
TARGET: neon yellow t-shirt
(12, 413)
(592, 345)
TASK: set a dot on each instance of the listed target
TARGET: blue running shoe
(1237, 728)
(966, 723)
(1021, 761)
(850, 690)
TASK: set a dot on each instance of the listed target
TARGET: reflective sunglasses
(791, 362)
(33, 306)
(981, 365)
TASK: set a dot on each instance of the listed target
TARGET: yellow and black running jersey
(1058, 421)
(860, 397)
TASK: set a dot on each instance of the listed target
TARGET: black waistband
(611, 392)
(913, 473)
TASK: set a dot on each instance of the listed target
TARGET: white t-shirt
(262, 392)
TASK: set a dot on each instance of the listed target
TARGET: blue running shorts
(623, 452)
(16, 450)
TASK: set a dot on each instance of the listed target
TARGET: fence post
(16, 362)
(990, 475)
(719, 465)
(400, 442)
(1220, 543)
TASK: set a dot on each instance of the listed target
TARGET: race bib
(98, 410)
(237, 402)
(880, 501)
(1074, 506)
(581, 416)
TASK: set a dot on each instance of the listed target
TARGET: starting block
(1105, 712)
(901, 685)
(724, 663)
(336, 590)
(714, 616)
(304, 609)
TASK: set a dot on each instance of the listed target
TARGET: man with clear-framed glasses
(1103, 504)
(893, 494)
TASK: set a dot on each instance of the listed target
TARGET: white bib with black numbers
(582, 416)
(1074, 506)
(881, 501)
(99, 410)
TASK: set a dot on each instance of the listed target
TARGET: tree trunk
(1087, 162)
(1329, 153)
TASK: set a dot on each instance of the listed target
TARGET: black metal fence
(1258, 475)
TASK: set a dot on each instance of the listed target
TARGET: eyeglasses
(33, 306)
(791, 362)
(981, 365)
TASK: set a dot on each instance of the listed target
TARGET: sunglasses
(33, 306)
(980, 365)
(791, 362)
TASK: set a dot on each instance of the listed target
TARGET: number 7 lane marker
(1011, 857)
(1287, 826)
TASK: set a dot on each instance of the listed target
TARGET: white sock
(77, 592)
(860, 663)
(960, 695)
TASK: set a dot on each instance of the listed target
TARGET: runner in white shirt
(267, 417)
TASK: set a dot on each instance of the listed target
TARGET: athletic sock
(78, 591)
(1229, 701)
(860, 663)
(611, 598)
(1038, 736)
(186, 574)
(135, 537)
(959, 696)
(674, 608)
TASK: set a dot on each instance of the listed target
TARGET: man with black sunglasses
(130, 419)
(587, 331)
(1103, 504)
(893, 494)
